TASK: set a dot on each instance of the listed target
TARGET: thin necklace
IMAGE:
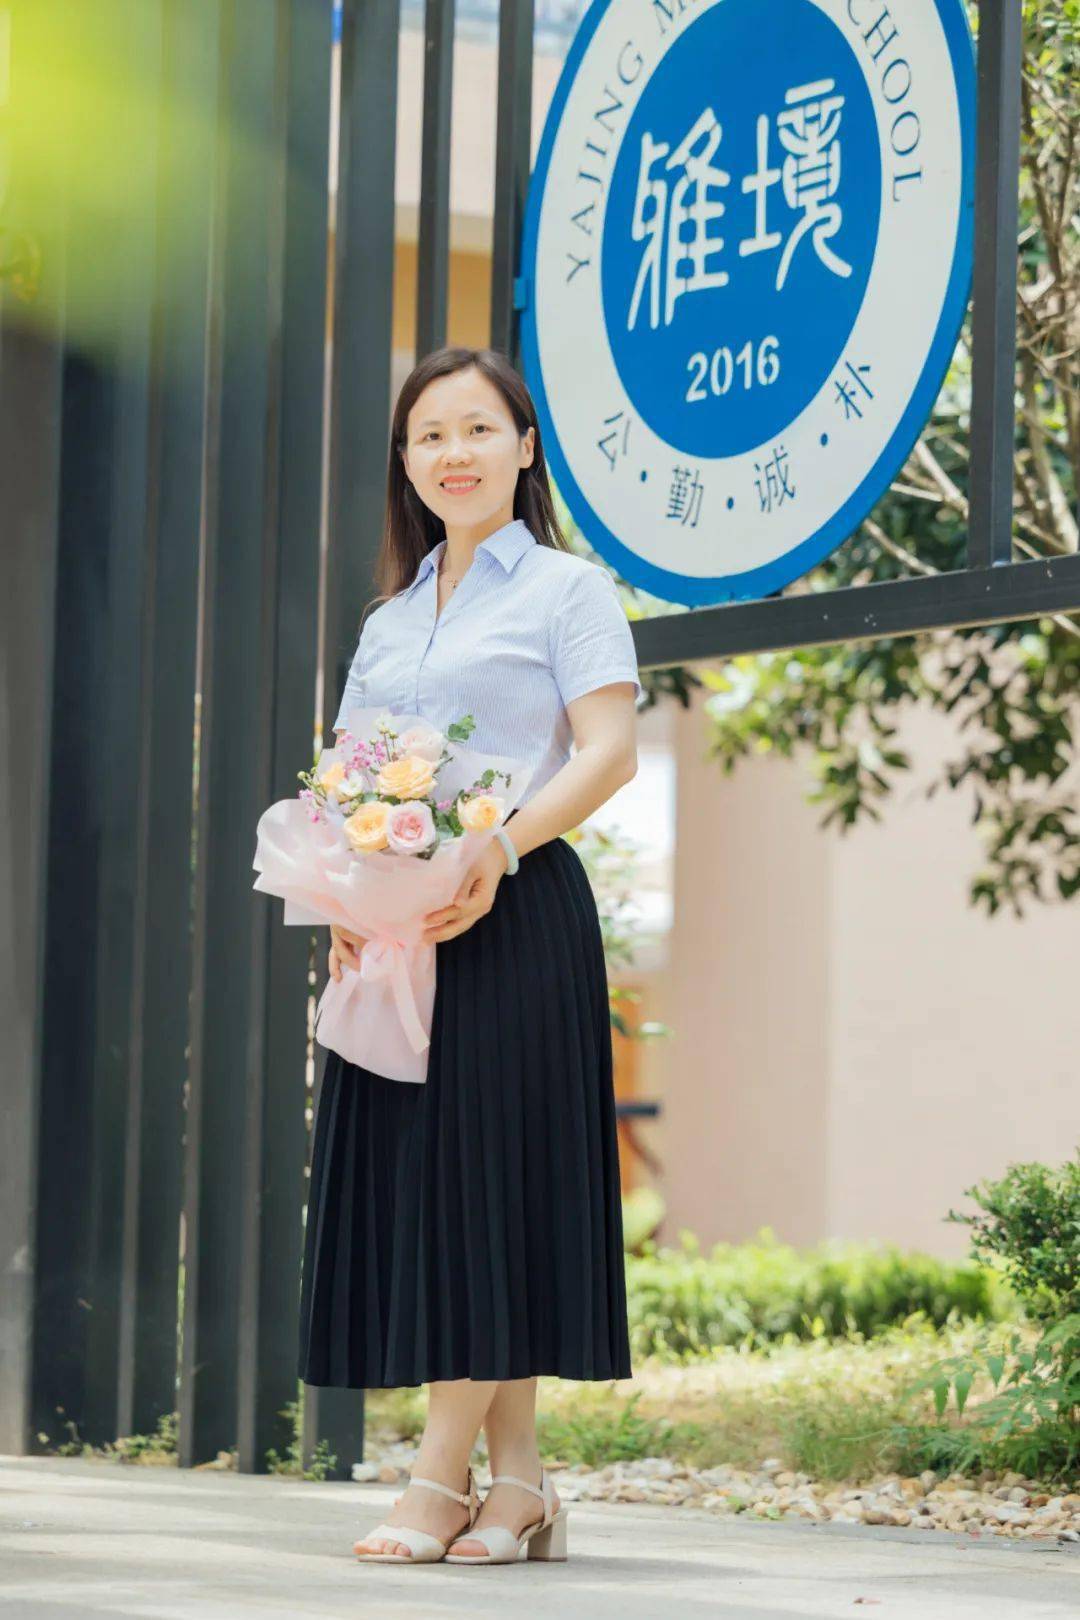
(444, 575)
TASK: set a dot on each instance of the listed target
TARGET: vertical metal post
(993, 409)
(433, 249)
(275, 1138)
(513, 166)
(236, 686)
(31, 404)
(134, 34)
(163, 734)
(363, 304)
(30, 395)
(332, 1417)
(363, 301)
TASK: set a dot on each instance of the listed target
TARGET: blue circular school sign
(746, 260)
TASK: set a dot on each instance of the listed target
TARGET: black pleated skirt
(471, 1227)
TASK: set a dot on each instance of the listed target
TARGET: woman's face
(463, 452)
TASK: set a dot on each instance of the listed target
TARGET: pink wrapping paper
(380, 1016)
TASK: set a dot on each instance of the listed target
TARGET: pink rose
(410, 828)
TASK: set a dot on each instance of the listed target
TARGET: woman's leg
(510, 1427)
(456, 1410)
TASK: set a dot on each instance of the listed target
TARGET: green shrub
(684, 1303)
(1028, 1224)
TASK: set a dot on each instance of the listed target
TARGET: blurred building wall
(854, 1043)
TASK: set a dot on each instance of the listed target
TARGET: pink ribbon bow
(383, 957)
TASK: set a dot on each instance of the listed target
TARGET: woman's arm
(604, 724)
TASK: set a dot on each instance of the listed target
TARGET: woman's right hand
(345, 948)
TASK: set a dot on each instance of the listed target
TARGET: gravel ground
(1009, 1506)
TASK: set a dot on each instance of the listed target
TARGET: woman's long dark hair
(411, 527)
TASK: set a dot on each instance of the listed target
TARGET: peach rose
(480, 813)
(329, 780)
(407, 778)
(366, 828)
(340, 784)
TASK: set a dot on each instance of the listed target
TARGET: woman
(467, 1232)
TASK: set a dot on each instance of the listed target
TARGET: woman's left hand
(474, 898)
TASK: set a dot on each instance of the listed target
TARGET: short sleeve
(592, 644)
(353, 696)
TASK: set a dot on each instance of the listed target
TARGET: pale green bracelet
(511, 853)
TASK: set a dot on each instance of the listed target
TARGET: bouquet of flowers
(383, 831)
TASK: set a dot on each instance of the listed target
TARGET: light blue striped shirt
(528, 630)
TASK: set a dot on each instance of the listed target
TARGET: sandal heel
(550, 1544)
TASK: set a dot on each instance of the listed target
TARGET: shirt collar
(506, 544)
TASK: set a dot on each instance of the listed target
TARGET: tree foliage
(1011, 690)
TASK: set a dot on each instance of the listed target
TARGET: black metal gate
(161, 499)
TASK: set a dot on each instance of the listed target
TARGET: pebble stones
(1007, 1505)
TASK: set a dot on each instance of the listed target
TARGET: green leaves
(683, 1303)
(1009, 689)
(1028, 1225)
(596, 1435)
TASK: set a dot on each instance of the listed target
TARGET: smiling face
(463, 452)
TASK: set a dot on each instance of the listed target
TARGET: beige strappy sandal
(546, 1538)
(423, 1547)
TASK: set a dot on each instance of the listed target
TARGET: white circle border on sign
(564, 335)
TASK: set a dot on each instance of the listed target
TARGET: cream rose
(422, 741)
(352, 787)
(366, 828)
(480, 813)
(407, 778)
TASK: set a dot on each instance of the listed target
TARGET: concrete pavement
(83, 1539)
